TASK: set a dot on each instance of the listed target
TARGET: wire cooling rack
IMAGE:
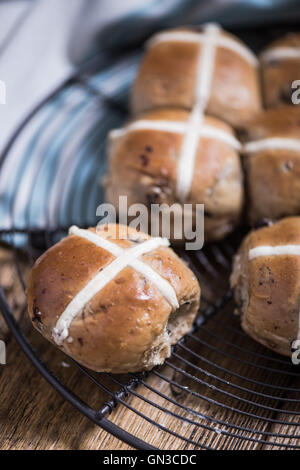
(218, 390)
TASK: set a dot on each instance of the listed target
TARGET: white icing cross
(193, 131)
(186, 162)
(205, 68)
(124, 257)
(278, 250)
(274, 251)
(272, 143)
(177, 127)
(278, 53)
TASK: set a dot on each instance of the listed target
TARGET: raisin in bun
(280, 63)
(169, 156)
(272, 163)
(183, 66)
(112, 298)
(266, 279)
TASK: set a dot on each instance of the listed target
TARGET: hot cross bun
(184, 66)
(280, 64)
(272, 163)
(112, 298)
(172, 156)
(265, 279)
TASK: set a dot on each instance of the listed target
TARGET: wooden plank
(34, 416)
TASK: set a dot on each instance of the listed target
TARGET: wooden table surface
(34, 416)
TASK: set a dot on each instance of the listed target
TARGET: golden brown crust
(279, 73)
(280, 122)
(273, 176)
(167, 77)
(267, 288)
(119, 329)
(143, 167)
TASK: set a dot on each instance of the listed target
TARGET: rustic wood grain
(11, 283)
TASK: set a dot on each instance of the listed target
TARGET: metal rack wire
(219, 389)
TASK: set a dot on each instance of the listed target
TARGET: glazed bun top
(105, 297)
(173, 137)
(280, 69)
(284, 48)
(266, 279)
(272, 130)
(185, 67)
(173, 114)
(282, 233)
(283, 121)
(112, 240)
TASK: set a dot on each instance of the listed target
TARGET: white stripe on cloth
(124, 257)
